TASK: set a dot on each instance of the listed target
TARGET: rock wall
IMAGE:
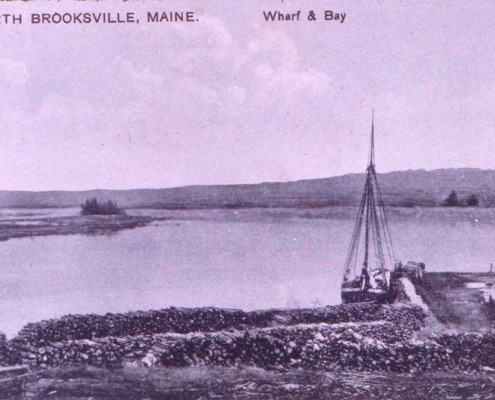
(262, 347)
(65, 341)
(363, 337)
(185, 320)
(368, 346)
(328, 349)
(355, 337)
(9, 353)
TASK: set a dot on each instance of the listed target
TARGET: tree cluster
(452, 200)
(92, 207)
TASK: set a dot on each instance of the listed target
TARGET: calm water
(246, 259)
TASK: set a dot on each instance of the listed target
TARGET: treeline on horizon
(452, 200)
(418, 188)
(109, 207)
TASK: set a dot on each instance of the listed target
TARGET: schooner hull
(356, 295)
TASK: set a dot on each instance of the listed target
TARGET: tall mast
(372, 142)
(367, 223)
(369, 190)
(372, 215)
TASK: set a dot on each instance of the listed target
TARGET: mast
(376, 230)
(369, 190)
(371, 163)
(367, 225)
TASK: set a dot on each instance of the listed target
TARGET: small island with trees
(93, 207)
(95, 218)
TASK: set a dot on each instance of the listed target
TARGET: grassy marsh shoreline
(69, 225)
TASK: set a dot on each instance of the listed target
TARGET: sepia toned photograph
(264, 199)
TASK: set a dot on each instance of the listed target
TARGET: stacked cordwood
(176, 337)
(9, 354)
(363, 337)
(282, 346)
(183, 320)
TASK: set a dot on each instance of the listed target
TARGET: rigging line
(357, 234)
(387, 239)
(374, 234)
(367, 233)
(386, 229)
(386, 234)
(378, 250)
(385, 223)
(358, 238)
(354, 242)
(355, 237)
(381, 255)
(379, 227)
(369, 172)
(357, 247)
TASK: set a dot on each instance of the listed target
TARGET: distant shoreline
(25, 225)
(250, 207)
(401, 188)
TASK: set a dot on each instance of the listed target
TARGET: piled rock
(352, 346)
(468, 351)
(262, 347)
(183, 320)
(355, 337)
(352, 349)
(9, 355)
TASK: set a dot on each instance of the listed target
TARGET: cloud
(162, 107)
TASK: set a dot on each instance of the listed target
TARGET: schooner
(370, 262)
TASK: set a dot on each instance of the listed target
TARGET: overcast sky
(234, 99)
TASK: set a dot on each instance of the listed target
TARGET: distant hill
(401, 188)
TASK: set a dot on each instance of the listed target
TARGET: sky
(232, 98)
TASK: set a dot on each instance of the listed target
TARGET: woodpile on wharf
(210, 319)
(175, 336)
(357, 337)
